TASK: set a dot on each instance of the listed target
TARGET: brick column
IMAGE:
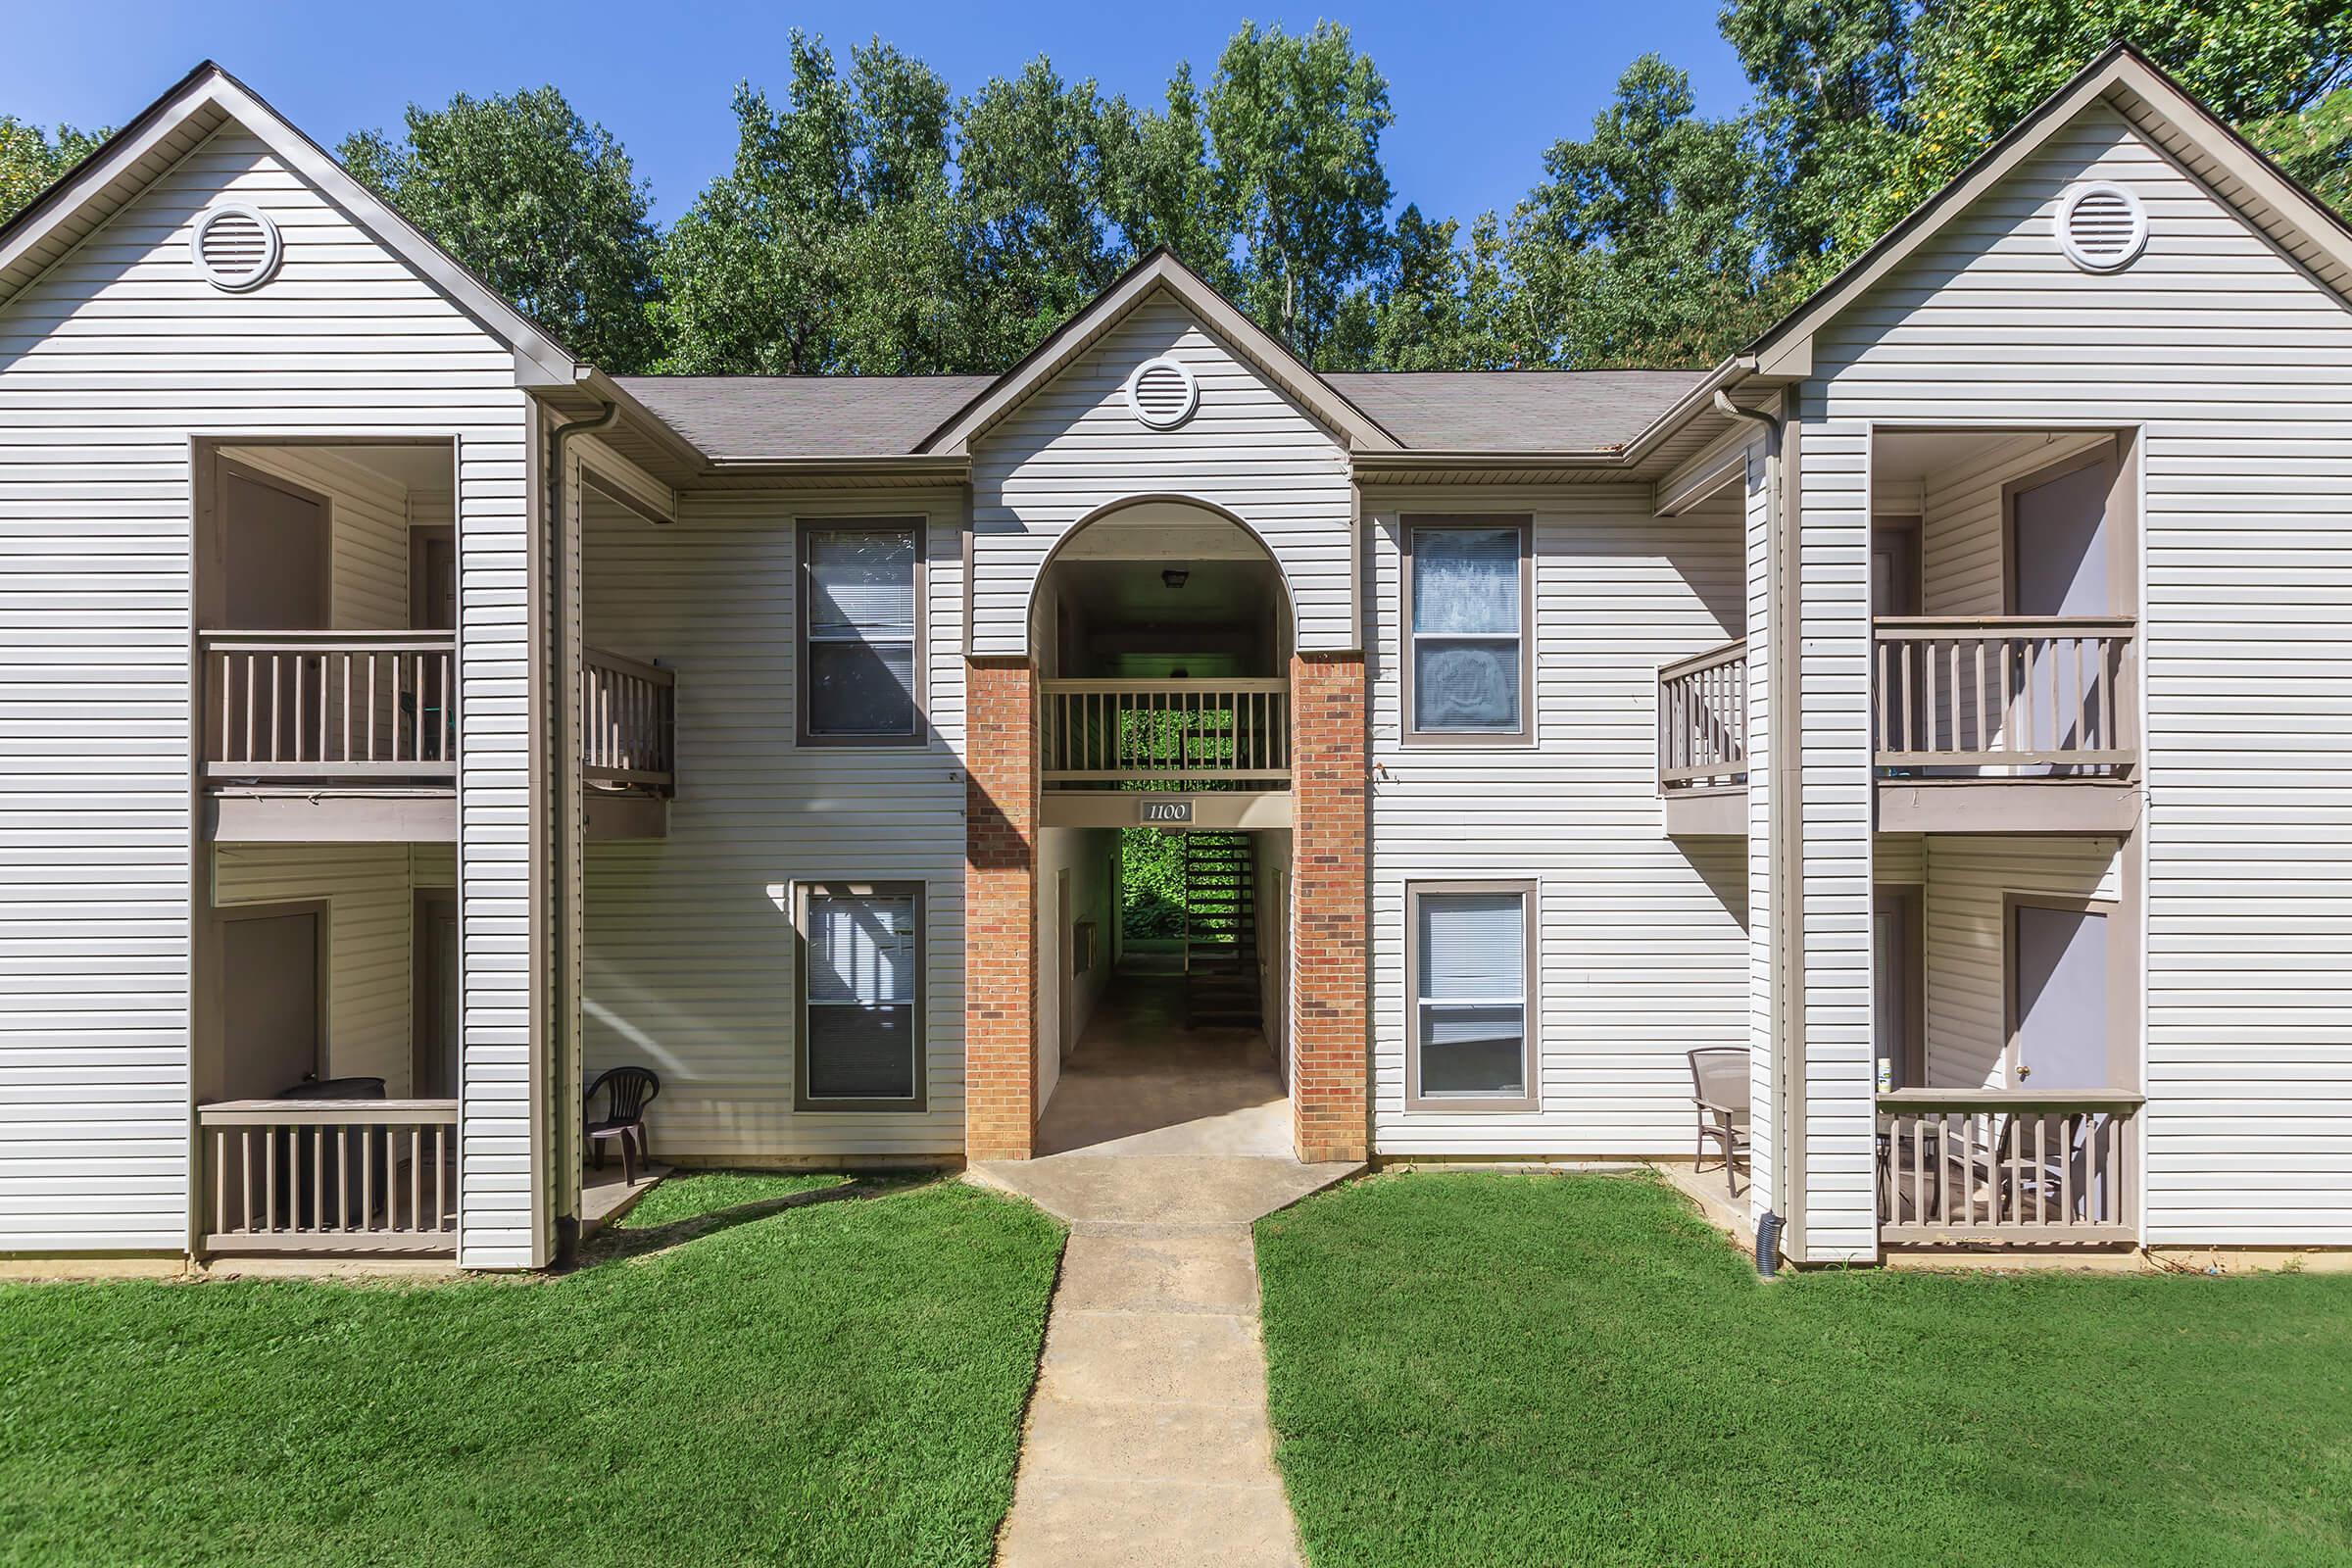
(1330, 1066)
(1000, 932)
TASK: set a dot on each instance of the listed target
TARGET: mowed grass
(1485, 1369)
(691, 1195)
(836, 1382)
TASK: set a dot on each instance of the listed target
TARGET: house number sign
(1167, 811)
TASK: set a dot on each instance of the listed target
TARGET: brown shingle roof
(739, 417)
(1515, 411)
(744, 416)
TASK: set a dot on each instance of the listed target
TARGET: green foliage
(874, 222)
(840, 1383)
(1969, 70)
(32, 158)
(2315, 146)
(1295, 124)
(1641, 247)
(830, 247)
(543, 205)
(1545, 1369)
(1150, 882)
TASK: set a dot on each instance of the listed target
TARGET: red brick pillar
(1000, 932)
(1330, 1066)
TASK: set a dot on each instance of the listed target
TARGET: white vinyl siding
(688, 957)
(370, 895)
(110, 364)
(1074, 447)
(1639, 942)
(2235, 366)
(1838, 1220)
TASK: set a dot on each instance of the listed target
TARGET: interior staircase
(1220, 960)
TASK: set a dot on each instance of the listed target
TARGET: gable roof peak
(2156, 106)
(188, 113)
(1160, 271)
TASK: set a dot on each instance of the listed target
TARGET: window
(1468, 674)
(861, 987)
(1471, 977)
(860, 639)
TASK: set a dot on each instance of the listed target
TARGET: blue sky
(1480, 90)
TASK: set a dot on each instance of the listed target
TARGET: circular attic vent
(1162, 393)
(235, 247)
(2101, 226)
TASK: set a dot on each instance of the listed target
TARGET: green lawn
(735, 1378)
(1487, 1369)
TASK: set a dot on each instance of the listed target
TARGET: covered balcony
(344, 736)
(2007, 984)
(1164, 699)
(329, 672)
(2004, 658)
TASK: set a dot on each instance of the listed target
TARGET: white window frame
(1528, 1001)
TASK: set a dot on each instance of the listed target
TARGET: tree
(1829, 75)
(2315, 146)
(1442, 305)
(539, 202)
(1641, 246)
(832, 245)
(1168, 194)
(1295, 122)
(1983, 65)
(1042, 165)
(31, 160)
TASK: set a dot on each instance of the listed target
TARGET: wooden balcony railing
(352, 706)
(1118, 731)
(1702, 719)
(2004, 691)
(329, 1175)
(628, 722)
(380, 706)
(2006, 1165)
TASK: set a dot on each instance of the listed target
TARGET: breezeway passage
(1148, 1441)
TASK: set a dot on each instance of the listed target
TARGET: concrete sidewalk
(1148, 1441)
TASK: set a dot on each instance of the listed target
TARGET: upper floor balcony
(1108, 746)
(2015, 723)
(2002, 654)
(321, 736)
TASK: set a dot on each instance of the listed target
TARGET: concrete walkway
(1148, 1441)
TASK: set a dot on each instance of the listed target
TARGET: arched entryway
(1134, 815)
(1161, 631)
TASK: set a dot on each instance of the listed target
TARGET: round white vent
(1162, 393)
(236, 246)
(2101, 226)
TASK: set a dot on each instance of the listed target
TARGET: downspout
(563, 1117)
(1783, 760)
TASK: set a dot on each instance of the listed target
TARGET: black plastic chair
(628, 1092)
